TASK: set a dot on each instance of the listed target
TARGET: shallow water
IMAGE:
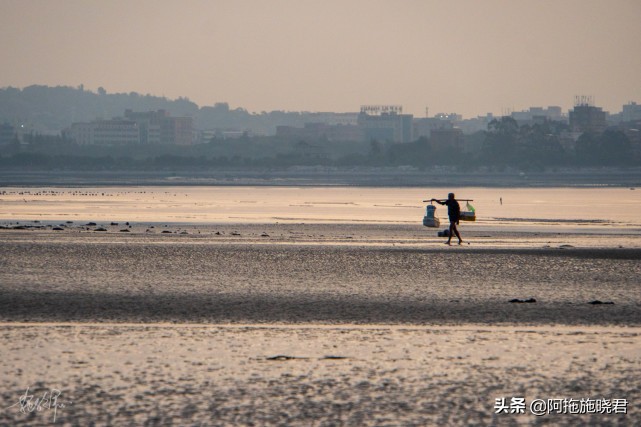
(566, 207)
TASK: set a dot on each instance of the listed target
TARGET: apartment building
(148, 128)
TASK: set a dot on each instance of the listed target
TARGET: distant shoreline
(325, 176)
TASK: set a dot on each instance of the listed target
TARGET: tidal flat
(130, 309)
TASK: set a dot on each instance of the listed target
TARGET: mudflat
(317, 324)
(315, 273)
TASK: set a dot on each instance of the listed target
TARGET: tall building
(176, 131)
(631, 112)
(585, 117)
(149, 124)
(158, 127)
(385, 123)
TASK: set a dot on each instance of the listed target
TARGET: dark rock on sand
(125, 230)
(284, 357)
(597, 302)
(530, 300)
(100, 229)
(91, 224)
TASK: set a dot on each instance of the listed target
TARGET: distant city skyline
(465, 57)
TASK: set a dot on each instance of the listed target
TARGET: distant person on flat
(454, 212)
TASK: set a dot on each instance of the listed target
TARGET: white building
(631, 112)
(105, 132)
(116, 132)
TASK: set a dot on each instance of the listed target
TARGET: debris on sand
(284, 357)
(516, 300)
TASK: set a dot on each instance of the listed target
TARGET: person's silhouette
(454, 213)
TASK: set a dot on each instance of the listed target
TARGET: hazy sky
(469, 57)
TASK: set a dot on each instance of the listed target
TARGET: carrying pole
(458, 200)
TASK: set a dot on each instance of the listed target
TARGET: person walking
(454, 213)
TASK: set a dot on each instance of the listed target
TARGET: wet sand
(314, 273)
(380, 324)
(335, 375)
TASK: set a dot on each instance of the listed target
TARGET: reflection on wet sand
(563, 206)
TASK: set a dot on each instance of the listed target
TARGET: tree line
(503, 145)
